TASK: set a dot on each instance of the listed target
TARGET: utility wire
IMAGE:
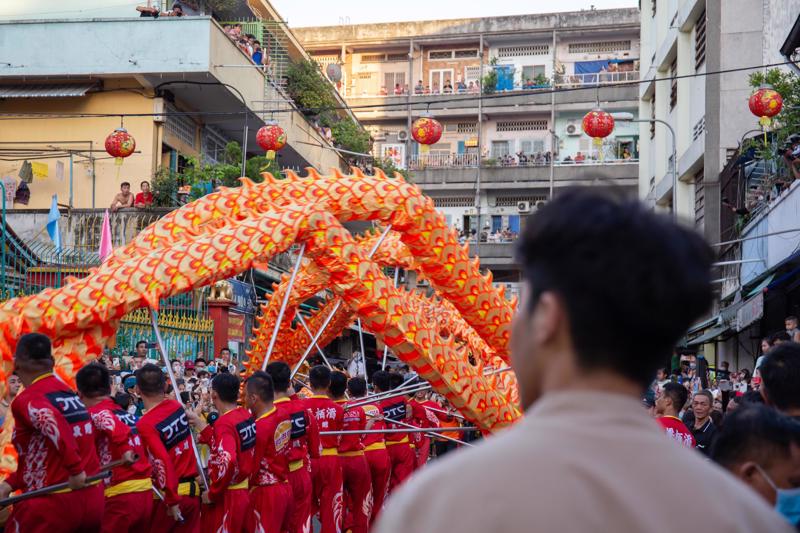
(403, 105)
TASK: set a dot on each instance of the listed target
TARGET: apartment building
(510, 93)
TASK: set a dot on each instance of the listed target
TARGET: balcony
(573, 96)
(447, 176)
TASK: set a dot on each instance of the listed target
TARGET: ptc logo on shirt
(298, 424)
(174, 429)
(69, 405)
(247, 433)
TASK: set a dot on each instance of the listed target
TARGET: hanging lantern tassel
(598, 144)
(271, 154)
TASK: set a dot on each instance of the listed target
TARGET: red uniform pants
(229, 514)
(271, 507)
(423, 451)
(79, 511)
(357, 484)
(300, 481)
(128, 513)
(190, 510)
(380, 468)
(403, 460)
(327, 483)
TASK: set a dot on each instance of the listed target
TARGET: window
(673, 90)
(465, 54)
(212, 145)
(454, 201)
(530, 72)
(440, 54)
(326, 59)
(466, 127)
(526, 50)
(471, 74)
(653, 116)
(533, 146)
(512, 201)
(372, 58)
(181, 126)
(700, 40)
(699, 128)
(522, 125)
(500, 149)
(397, 57)
(699, 199)
(365, 75)
(599, 47)
(390, 79)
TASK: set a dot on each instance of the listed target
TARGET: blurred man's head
(790, 323)
(597, 269)
(150, 381)
(338, 385)
(702, 403)
(281, 375)
(760, 446)
(258, 392)
(319, 377)
(93, 381)
(780, 378)
(33, 357)
(357, 387)
(381, 381)
(224, 391)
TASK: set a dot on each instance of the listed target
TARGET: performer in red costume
(356, 479)
(424, 414)
(270, 492)
(327, 472)
(397, 444)
(129, 495)
(305, 445)
(54, 437)
(165, 434)
(232, 440)
(380, 466)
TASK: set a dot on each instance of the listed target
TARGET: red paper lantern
(598, 124)
(271, 138)
(120, 144)
(765, 103)
(426, 130)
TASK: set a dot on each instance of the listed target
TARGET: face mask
(212, 369)
(787, 501)
(692, 366)
(131, 409)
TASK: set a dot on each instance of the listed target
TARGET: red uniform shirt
(273, 443)
(329, 417)
(232, 441)
(355, 419)
(53, 434)
(167, 440)
(395, 409)
(116, 434)
(305, 431)
(677, 430)
(373, 412)
(422, 417)
(143, 198)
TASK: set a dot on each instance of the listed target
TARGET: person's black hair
(200, 360)
(281, 375)
(185, 397)
(707, 394)
(140, 342)
(751, 397)
(357, 387)
(123, 399)
(226, 386)
(150, 380)
(224, 350)
(143, 182)
(395, 380)
(93, 380)
(382, 380)
(780, 336)
(790, 317)
(677, 393)
(222, 369)
(124, 183)
(260, 384)
(36, 350)
(202, 374)
(616, 265)
(338, 384)
(780, 376)
(754, 433)
(319, 377)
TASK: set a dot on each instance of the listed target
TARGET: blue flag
(52, 224)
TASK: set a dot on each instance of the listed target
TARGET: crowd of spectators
(154, 12)
(497, 236)
(247, 43)
(125, 199)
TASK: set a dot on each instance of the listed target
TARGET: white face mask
(131, 409)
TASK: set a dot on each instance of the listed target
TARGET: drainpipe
(408, 101)
(553, 135)
(480, 152)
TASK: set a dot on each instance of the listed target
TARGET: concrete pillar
(218, 312)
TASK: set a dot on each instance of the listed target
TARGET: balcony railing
(560, 81)
(471, 160)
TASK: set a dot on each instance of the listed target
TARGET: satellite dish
(334, 72)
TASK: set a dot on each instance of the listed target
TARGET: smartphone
(151, 346)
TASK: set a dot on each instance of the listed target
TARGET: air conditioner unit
(379, 136)
(540, 204)
(402, 135)
(572, 129)
(524, 207)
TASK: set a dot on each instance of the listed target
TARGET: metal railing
(471, 160)
(596, 78)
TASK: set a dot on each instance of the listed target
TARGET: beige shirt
(578, 462)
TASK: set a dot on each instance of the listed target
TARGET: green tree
(349, 135)
(388, 167)
(309, 89)
(787, 122)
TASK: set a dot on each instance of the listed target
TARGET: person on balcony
(435, 88)
(473, 88)
(124, 198)
(144, 199)
(419, 88)
(461, 87)
(383, 91)
(626, 154)
(398, 89)
(580, 158)
(448, 87)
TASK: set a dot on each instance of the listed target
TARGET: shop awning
(761, 286)
(703, 325)
(708, 336)
(61, 90)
